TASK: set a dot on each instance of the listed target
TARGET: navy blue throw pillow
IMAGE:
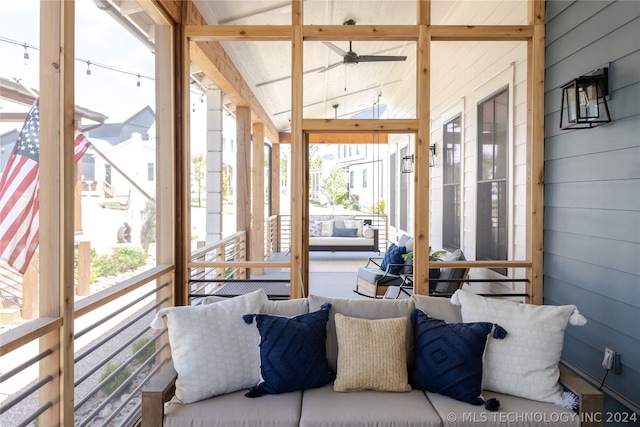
(293, 352)
(394, 256)
(345, 232)
(449, 357)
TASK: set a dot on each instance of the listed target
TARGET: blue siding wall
(592, 188)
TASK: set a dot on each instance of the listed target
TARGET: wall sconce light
(432, 155)
(407, 164)
(584, 101)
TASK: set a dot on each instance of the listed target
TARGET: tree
(335, 186)
(199, 171)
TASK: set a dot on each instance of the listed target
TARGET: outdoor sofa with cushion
(341, 233)
(322, 361)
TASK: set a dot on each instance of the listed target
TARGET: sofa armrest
(590, 398)
(160, 388)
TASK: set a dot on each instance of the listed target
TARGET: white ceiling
(266, 66)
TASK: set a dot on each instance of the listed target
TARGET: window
(151, 171)
(493, 117)
(365, 178)
(352, 179)
(392, 188)
(451, 191)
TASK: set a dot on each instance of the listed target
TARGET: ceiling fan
(350, 57)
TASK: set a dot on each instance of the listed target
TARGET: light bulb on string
(138, 83)
(26, 54)
(88, 68)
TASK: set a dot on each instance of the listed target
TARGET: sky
(99, 39)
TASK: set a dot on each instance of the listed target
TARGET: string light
(87, 61)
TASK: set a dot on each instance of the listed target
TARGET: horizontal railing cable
(133, 392)
(117, 391)
(120, 310)
(93, 391)
(17, 398)
(107, 338)
(6, 375)
(35, 415)
(110, 356)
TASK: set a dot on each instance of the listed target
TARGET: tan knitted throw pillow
(371, 354)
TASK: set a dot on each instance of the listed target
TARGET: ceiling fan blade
(335, 48)
(337, 64)
(380, 58)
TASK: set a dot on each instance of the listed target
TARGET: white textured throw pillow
(525, 363)
(214, 351)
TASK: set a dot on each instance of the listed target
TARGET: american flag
(19, 193)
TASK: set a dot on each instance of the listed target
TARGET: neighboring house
(115, 133)
(135, 157)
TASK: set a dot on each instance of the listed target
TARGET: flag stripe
(20, 190)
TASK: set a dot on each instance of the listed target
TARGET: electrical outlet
(611, 360)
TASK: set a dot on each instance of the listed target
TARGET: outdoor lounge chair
(375, 281)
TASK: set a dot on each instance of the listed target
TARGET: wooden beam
(214, 62)
(535, 152)
(421, 175)
(340, 138)
(360, 32)
(360, 125)
(299, 164)
(200, 33)
(243, 171)
(257, 197)
(481, 33)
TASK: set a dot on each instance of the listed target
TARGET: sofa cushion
(326, 229)
(440, 308)
(513, 411)
(393, 255)
(322, 407)
(449, 357)
(449, 273)
(355, 223)
(235, 410)
(365, 309)
(214, 351)
(315, 228)
(345, 232)
(371, 354)
(406, 241)
(367, 231)
(292, 352)
(525, 363)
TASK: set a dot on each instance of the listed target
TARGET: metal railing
(116, 355)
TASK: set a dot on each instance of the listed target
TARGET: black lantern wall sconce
(406, 166)
(584, 101)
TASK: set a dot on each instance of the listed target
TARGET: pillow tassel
(499, 332)
(255, 392)
(454, 299)
(577, 319)
(325, 306)
(492, 404)
(248, 318)
(157, 322)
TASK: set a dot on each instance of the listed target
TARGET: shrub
(379, 206)
(115, 382)
(122, 259)
(146, 353)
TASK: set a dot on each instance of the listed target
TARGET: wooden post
(243, 172)
(30, 289)
(84, 268)
(77, 199)
(257, 198)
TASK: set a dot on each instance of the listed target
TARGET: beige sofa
(325, 407)
(330, 233)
